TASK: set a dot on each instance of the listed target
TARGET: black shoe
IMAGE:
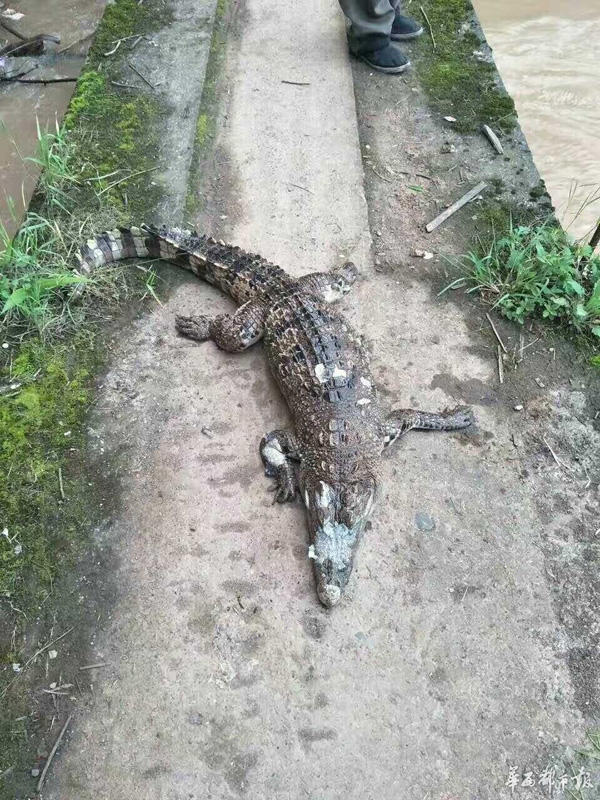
(389, 59)
(405, 28)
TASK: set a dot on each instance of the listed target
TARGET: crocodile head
(337, 515)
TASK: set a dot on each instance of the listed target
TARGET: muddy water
(20, 106)
(547, 54)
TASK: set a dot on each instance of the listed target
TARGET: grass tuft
(536, 271)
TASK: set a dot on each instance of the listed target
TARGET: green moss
(457, 83)
(123, 18)
(40, 433)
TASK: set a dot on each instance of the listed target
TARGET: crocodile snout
(329, 594)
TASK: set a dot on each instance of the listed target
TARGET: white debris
(363, 401)
(424, 254)
(365, 382)
(338, 373)
(52, 654)
(10, 13)
(321, 372)
(16, 667)
(450, 119)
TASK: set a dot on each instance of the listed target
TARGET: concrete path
(226, 678)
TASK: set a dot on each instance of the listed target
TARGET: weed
(537, 271)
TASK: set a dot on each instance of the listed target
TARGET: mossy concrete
(57, 485)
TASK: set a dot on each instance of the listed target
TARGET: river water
(23, 107)
(547, 54)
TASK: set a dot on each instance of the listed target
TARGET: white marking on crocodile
(306, 499)
(330, 295)
(363, 401)
(365, 382)
(115, 246)
(325, 499)
(321, 373)
(333, 543)
(274, 455)
(338, 373)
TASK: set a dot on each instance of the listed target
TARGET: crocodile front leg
(230, 332)
(406, 419)
(278, 451)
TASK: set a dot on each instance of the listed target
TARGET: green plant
(537, 271)
(54, 158)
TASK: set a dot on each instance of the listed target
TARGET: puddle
(22, 106)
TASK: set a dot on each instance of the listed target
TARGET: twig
(496, 334)
(500, 365)
(297, 83)
(39, 80)
(435, 223)
(137, 72)
(555, 457)
(493, 139)
(114, 50)
(33, 658)
(125, 85)
(430, 28)
(72, 44)
(92, 666)
(60, 484)
(304, 189)
(379, 175)
(12, 30)
(40, 783)
(126, 178)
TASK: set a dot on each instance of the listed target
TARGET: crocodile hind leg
(407, 419)
(278, 451)
(230, 332)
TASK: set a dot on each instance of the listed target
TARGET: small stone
(52, 654)
(424, 522)
(424, 254)
(16, 667)
(518, 407)
(5, 345)
(450, 119)
(367, 147)
(35, 773)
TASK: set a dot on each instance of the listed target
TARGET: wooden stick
(435, 223)
(60, 484)
(297, 83)
(137, 72)
(53, 753)
(500, 365)
(496, 334)
(93, 666)
(430, 28)
(493, 139)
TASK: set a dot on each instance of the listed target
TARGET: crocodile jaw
(337, 515)
(333, 554)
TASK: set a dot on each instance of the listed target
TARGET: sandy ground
(458, 652)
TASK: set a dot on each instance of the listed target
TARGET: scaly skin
(322, 370)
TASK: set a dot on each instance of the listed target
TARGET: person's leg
(370, 24)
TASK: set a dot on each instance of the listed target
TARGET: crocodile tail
(230, 268)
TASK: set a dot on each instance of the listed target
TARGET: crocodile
(321, 366)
